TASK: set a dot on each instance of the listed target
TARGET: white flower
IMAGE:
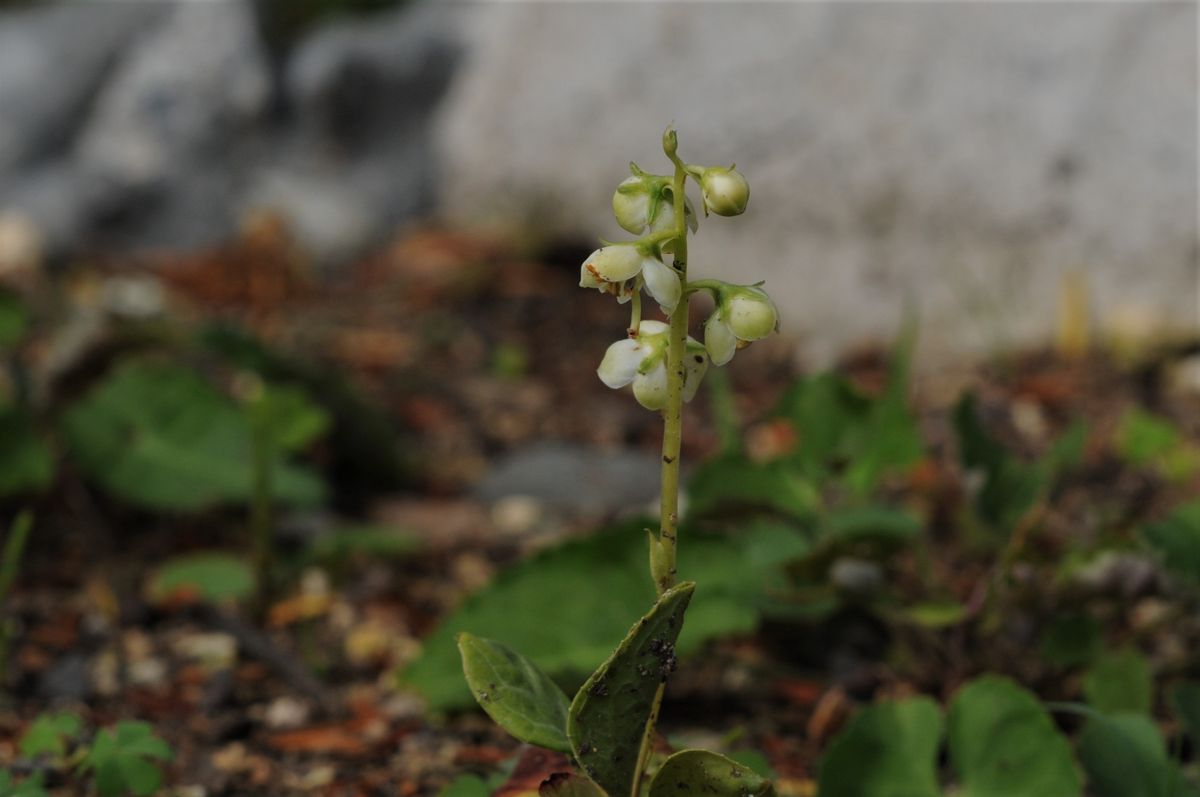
(744, 314)
(645, 201)
(642, 362)
(614, 269)
(725, 190)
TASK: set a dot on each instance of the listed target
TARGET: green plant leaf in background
(540, 608)
(1071, 639)
(704, 772)
(515, 693)
(1185, 702)
(1124, 756)
(288, 416)
(608, 717)
(888, 750)
(125, 759)
(30, 787)
(212, 577)
(14, 318)
(1003, 743)
(27, 463)
(732, 482)
(49, 733)
(161, 437)
(569, 784)
(1177, 540)
(1147, 440)
(466, 786)
(1120, 683)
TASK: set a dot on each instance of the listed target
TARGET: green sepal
(515, 693)
(609, 714)
(705, 772)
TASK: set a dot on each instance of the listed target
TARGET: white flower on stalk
(642, 362)
(725, 190)
(616, 269)
(744, 313)
(647, 201)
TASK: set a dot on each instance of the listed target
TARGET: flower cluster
(647, 205)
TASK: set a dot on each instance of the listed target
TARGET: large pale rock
(961, 156)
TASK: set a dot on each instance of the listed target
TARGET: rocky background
(963, 158)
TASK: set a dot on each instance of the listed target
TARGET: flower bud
(725, 191)
(744, 313)
(642, 362)
(644, 201)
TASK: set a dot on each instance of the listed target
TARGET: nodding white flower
(616, 268)
(647, 201)
(642, 362)
(725, 190)
(744, 313)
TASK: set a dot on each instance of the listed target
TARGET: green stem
(14, 547)
(664, 544)
(635, 317)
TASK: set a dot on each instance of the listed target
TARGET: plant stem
(261, 520)
(662, 546)
(14, 547)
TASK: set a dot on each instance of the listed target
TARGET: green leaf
(608, 716)
(286, 414)
(515, 693)
(1071, 640)
(871, 524)
(569, 606)
(936, 614)
(372, 542)
(1120, 683)
(732, 482)
(161, 437)
(14, 318)
(122, 759)
(48, 734)
(1003, 743)
(704, 772)
(214, 577)
(1143, 437)
(30, 787)
(888, 750)
(1124, 756)
(1177, 540)
(27, 463)
(466, 786)
(569, 784)
(1185, 700)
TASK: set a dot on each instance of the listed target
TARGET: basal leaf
(48, 734)
(735, 483)
(1125, 756)
(1120, 683)
(214, 577)
(27, 463)
(568, 607)
(515, 693)
(608, 716)
(569, 784)
(888, 750)
(1177, 540)
(1003, 743)
(704, 772)
(161, 437)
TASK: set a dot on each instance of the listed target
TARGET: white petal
(587, 275)
(615, 263)
(719, 340)
(696, 365)
(662, 282)
(620, 363)
(650, 389)
(650, 327)
(631, 205)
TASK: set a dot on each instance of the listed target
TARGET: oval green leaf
(704, 772)
(609, 713)
(889, 750)
(515, 693)
(1003, 743)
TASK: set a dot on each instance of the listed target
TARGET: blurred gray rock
(575, 479)
(966, 155)
(52, 62)
(168, 134)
